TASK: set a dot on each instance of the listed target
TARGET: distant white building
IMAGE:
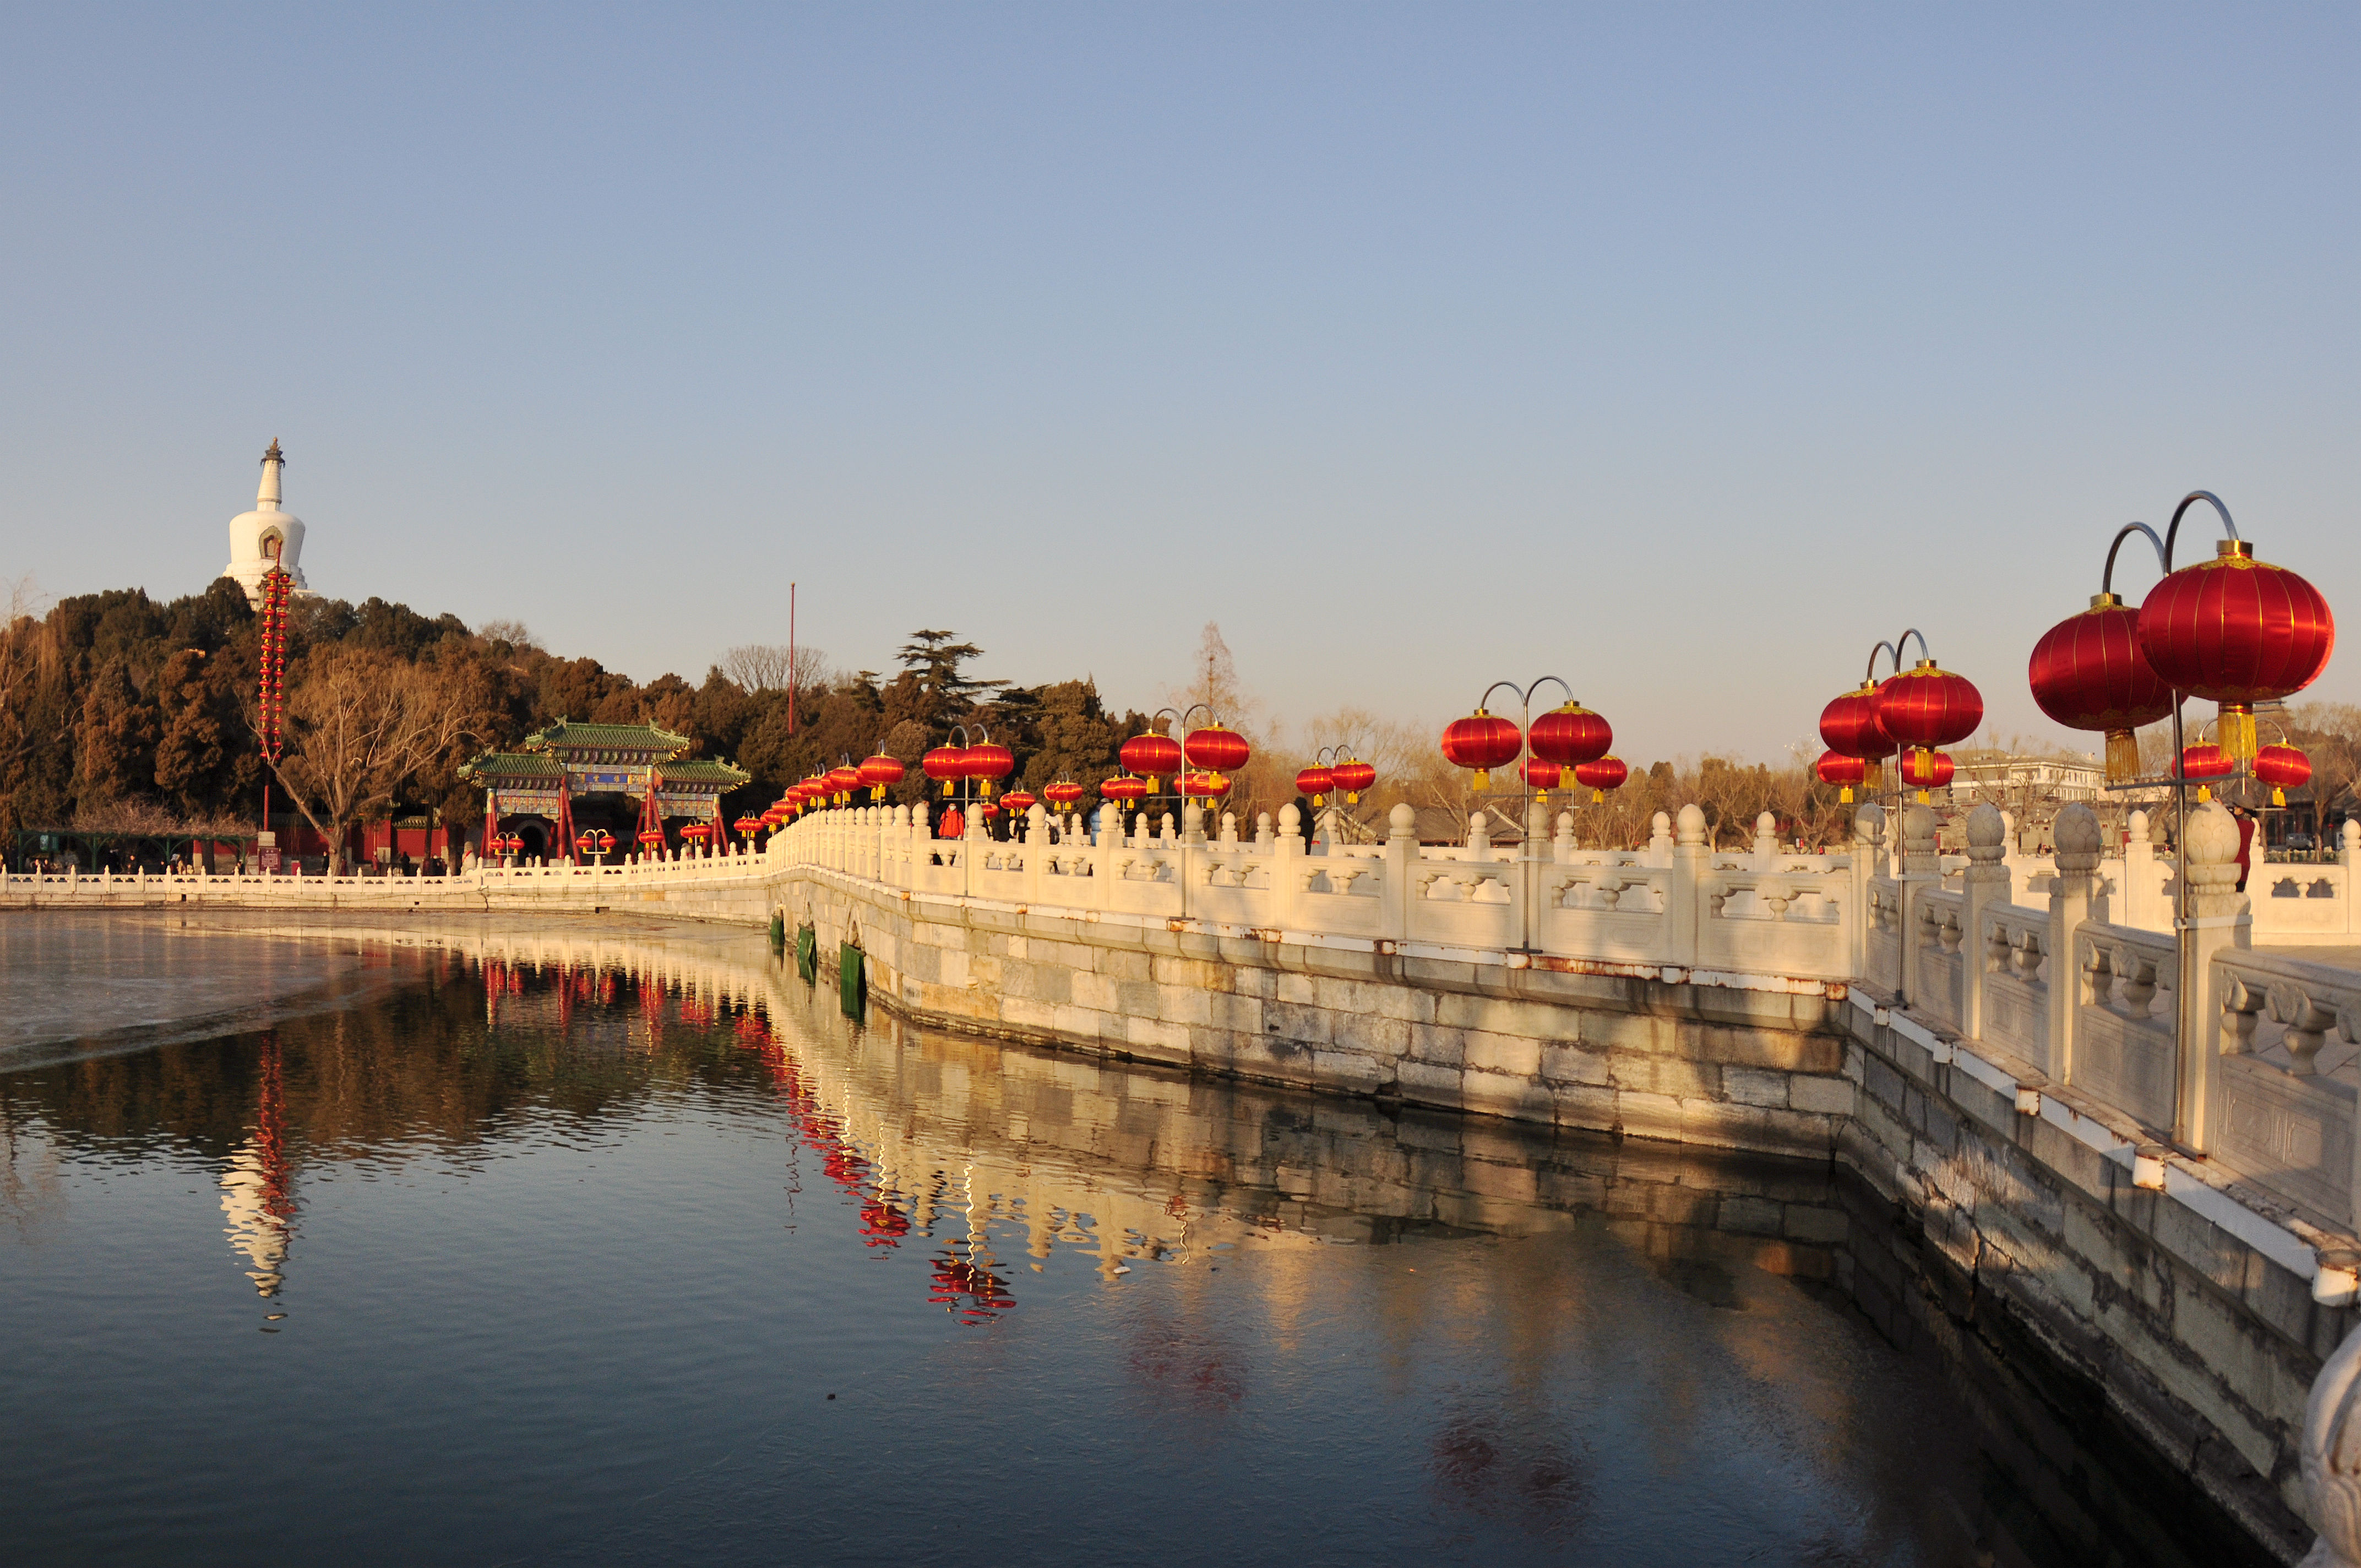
(2053, 779)
(265, 537)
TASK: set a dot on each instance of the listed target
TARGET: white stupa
(266, 536)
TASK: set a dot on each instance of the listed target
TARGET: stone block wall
(2201, 1343)
(1689, 1062)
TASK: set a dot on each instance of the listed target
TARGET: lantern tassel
(2237, 728)
(1873, 776)
(2278, 795)
(1598, 797)
(1845, 795)
(2204, 793)
(1483, 779)
(2122, 756)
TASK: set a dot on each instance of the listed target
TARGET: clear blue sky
(1684, 351)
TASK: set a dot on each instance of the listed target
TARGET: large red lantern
(1352, 777)
(2087, 672)
(1483, 741)
(1123, 790)
(879, 772)
(1925, 707)
(1065, 794)
(1849, 727)
(1541, 775)
(1317, 783)
(1217, 750)
(988, 763)
(2283, 768)
(1836, 767)
(1601, 774)
(1152, 756)
(2236, 631)
(843, 780)
(1570, 735)
(946, 765)
(1018, 801)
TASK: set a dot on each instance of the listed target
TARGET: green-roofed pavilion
(596, 771)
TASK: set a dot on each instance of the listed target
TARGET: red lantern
(1483, 741)
(2283, 768)
(1925, 771)
(1208, 787)
(1018, 801)
(1152, 756)
(987, 762)
(2206, 761)
(747, 827)
(1849, 727)
(1836, 767)
(1065, 794)
(1122, 789)
(1924, 707)
(2087, 672)
(1601, 774)
(946, 765)
(1353, 777)
(2236, 631)
(1216, 750)
(696, 832)
(1317, 783)
(1543, 776)
(1570, 736)
(842, 781)
(651, 837)
(879, 772)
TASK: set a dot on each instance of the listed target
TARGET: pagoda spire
(266, 495)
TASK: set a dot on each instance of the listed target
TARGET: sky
(1684, 352)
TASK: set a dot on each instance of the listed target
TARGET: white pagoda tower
(266, 536)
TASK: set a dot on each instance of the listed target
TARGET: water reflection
(592, 1221)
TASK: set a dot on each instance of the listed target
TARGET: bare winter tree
(361, 725)
(767, 666)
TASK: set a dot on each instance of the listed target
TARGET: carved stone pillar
(2219, 917)
(1684, 907)
(1988, 885)
(2077, 837)
(1919, 875)
(1867, 855)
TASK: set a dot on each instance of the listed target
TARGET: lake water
(616, 1243)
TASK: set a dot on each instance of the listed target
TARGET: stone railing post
(1037, 850)
(1287, 872)
(1920, 874)
(1562, 844)
(2219, 917)
(1683, 902)
(2140, 903)
(2077, 836)
(1263, 841)
(1868, 854)
(1660, 842)
(2348, 855)
(1402, 869)
(1987, 885)
(1532, 853)
(1766, 841)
